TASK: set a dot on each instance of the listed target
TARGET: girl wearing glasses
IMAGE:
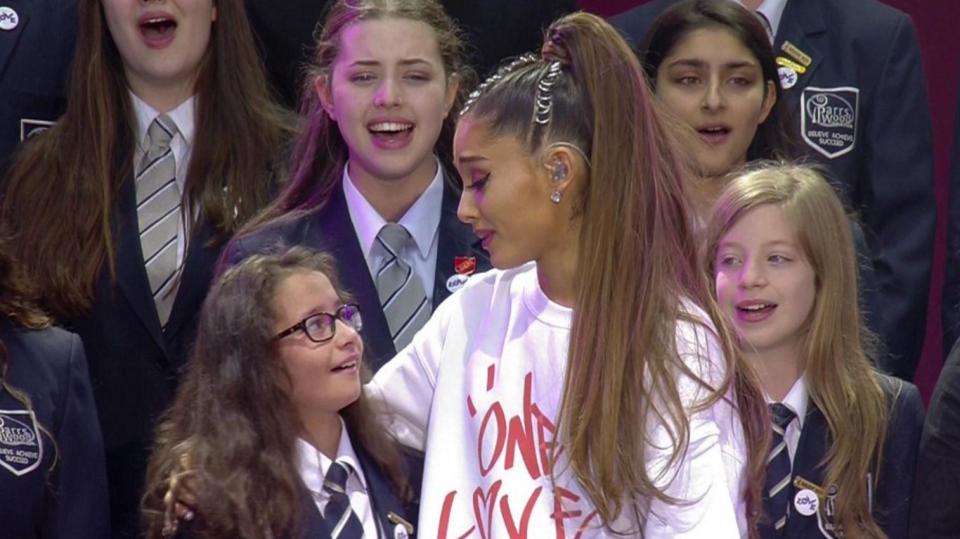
(272, 418)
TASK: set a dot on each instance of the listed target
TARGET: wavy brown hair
(320, 152)
(637, 264)
(776, 137)
(842, 381)
(233, 419)
(61, 191)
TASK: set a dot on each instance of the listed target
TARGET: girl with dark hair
(371, 180)
(52, 478)
(120, 210)
(581, 389)
(712, 65)
(845, 436)
(271, 409)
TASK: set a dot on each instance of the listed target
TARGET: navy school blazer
(35, 56)
(330, 229)
(891, 499)
(393, 514)
(134, 364)
(52, 479)
(864, 62)
(936, 503)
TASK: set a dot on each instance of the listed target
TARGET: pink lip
(339, 368)
(391, 140)
(150, 38)
(714, 134)
(485, 236)
(743, 314)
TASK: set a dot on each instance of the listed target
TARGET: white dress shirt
(313, 466)
(422, 220)
(181, 145)
(796, 400)
(773, 11)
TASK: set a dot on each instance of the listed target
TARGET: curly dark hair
(233, 423)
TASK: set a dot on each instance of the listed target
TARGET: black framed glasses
(321, 327)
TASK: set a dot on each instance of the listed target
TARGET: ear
(562, 166)
(453, 86)
(322, 86)
(769, 100)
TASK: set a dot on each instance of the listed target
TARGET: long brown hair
(637, 264)
(62, 188)
(320, 152)
(233, 419)
(842, 381)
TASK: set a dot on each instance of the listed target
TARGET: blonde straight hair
(842, 381)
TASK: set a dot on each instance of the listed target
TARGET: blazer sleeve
(898, 205)
(950, 304)
(935, 512)
(82, 501)
(897, 470)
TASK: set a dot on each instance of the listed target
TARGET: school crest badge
(21, 447)
(828, 119)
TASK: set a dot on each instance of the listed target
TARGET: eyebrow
(767, 245)
(693, 62)
(405, 62)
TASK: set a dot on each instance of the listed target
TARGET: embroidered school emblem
(828, 119)
(21, 447)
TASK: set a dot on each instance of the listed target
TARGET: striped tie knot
(159, 135)
(341, 521)
(781, 416)
(400, 289)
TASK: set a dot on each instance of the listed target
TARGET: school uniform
(135, 362)
(935, 510)
(950, 304)
(334, 229)
(52, 478)
(808, 439)
(373, 498)
(36, 48)
(861, 101)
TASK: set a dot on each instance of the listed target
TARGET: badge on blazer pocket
(828, 119)
(21, 447)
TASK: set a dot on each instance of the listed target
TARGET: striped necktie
(340, 519)
(158, 214)
(402, 297)
(776, 495)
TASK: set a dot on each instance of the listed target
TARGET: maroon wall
(936, 22)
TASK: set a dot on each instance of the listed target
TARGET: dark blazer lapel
(382, 496)
(811, 449)
(10, 37)
(131, 274)
(802, 25)
(333, 231)
(455, 239)
(195, 278)
(312, 525)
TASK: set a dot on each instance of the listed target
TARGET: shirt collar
(773, 11)
(796, 399)
(313, 464)
(422, 220)
(182, 116)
